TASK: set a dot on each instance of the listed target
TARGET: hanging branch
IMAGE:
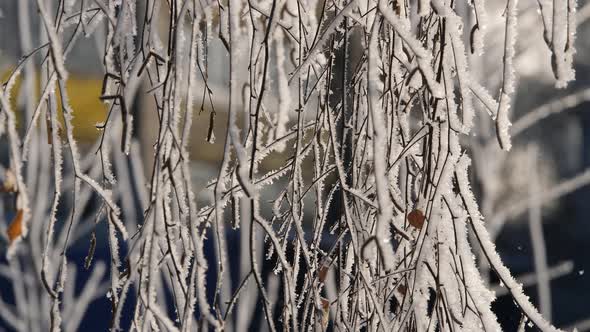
(342, 172)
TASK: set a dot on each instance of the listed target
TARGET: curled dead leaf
(322, 273)
(326, 312)
(416, 218)
(15, 228)
(325, 303)
(49, 130)
(397, 8)
(402, 289)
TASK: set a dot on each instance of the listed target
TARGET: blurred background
(535, 198)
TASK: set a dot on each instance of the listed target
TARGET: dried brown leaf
(402, 289)
(326, 312)
(323, 272)
(416, 218)
(15, 228)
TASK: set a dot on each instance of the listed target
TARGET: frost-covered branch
(340, 197)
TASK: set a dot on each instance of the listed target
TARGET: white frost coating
(454, 28)
(450, 104)
(422, 56)
(423, 7)
(476, 290)
(9, 84)
(563, 34)
(379, 156)
(366, 186)
(284, 92)
(492, 255)
(63, 275)
(234, 99)
(103, 193)
(484, 97)
(16, 166)
(193, 61)
(47, 90)
(108, 167)
(325, 36)
(56, 48)
(502, 120)
(479, 30)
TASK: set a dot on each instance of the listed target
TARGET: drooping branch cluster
(342, 170)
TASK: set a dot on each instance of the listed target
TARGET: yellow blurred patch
(83, 94)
